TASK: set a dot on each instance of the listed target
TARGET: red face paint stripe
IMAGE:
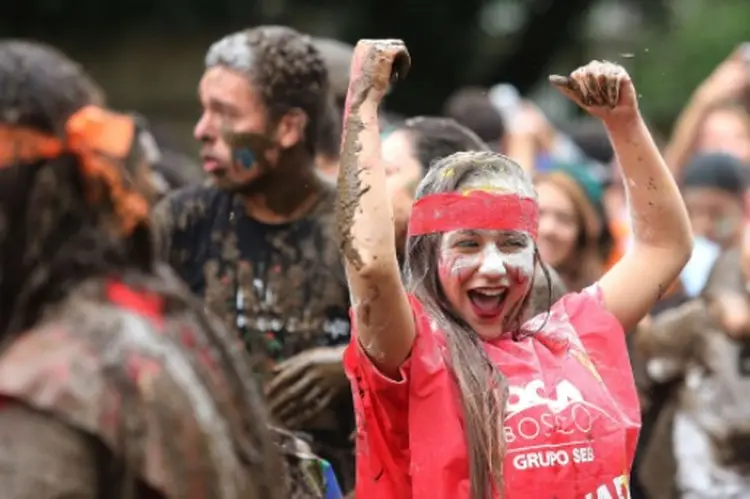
(478, 210)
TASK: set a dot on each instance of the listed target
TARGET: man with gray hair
(257, 242)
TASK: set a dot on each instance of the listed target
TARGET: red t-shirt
(572, 416)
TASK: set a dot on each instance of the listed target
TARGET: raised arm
(661, 230)
(384, 322)
(728, 81)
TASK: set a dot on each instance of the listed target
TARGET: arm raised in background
(728, 81)
(661, 229)
(384, 321)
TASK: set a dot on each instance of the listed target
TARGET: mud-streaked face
(486, 275)
(231, 108)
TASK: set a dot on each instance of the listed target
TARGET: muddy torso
(717, 381)
(715, 395)
(281, 286)
(710, 426)
(153, 387)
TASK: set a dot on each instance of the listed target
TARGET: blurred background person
(573, 235)
(409, 150)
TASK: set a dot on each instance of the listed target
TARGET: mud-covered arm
(661, 230)
(384, 321)
(41, 458)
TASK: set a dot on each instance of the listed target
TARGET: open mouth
(487, 303)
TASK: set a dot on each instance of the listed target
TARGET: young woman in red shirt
(458, 393)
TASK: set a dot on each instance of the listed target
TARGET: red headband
(477, 210)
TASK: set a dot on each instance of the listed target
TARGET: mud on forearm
(363, 212)
(659, 217)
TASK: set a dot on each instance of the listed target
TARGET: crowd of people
(352, 303)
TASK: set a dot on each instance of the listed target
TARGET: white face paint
(493, 265)
(486, 276)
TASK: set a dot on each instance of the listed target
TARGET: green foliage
(671, 64)
(675, 49)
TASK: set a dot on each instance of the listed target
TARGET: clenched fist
(602, 88)
(376, 64)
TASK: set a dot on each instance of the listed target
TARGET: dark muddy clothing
(282, 287)
(122, 392)
(701, 437)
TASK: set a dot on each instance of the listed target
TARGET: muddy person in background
(113, 381)
(699, 448)
(257, 243)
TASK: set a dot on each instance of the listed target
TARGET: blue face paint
(244, 157)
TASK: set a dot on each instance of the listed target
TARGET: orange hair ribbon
(101, 140)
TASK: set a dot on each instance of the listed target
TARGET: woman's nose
(493, 263)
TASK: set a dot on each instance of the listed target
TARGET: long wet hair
(49, 236)
(474, 372)
(52, 238)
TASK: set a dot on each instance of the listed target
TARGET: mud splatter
(365, 78)
(244, 143)
(350, 189)
(281, 289)
(364, 308)
(128, 359)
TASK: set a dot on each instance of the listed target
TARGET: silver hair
(233, 51)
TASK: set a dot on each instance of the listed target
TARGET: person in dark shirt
(257, 241)
(114, 382)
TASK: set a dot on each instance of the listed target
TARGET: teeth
(493, 293)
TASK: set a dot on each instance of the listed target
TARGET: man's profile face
(231, 108)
